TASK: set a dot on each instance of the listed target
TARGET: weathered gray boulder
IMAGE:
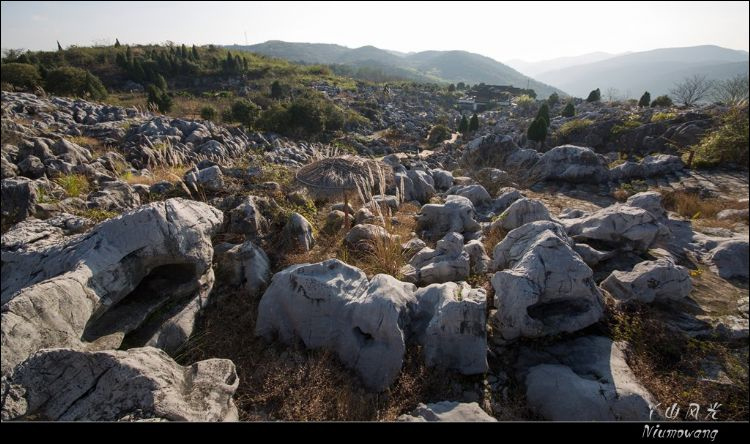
(91, 290)
(423, 186)
(521, 212)
(475, 193)
(137, 384)
(478, 260)
(650, 201)
(729, 214)
(245, 266)
(332, 305)
(247, 218)
(586, 379)
(548, 289)
(506, 196)
(455, 216)
(730, 259)
(19, 196)
(447, 262)
(31, 167)
(114, 196)
(211, 179)
(443, 179)
(363, 237)
(649, 281)
(449, 411)
(449, 321)
(498, 151)
(649, 166)
(298, 233)
(571, 163)
(619, 225)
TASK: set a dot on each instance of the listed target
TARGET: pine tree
(645, 100)
(196, 56)
(463, 126)
(117, 43)
(160, 82)
(543, 113)
(128, 54)
(569, 110)
(451, 87)
(59, 47)
(537, 130)
(474, 123)
(594, 96)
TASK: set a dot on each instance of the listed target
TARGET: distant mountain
(655, 71)
(534, 68)
(426, 66)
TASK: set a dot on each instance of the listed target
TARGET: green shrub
(74, 184)
(20, 74)
(245, 112)
(663, 101)
(594, 96)
(645, 100)
(473, 123)
(726, 144)
(543, 113)
(574, 126)
(569, 110)
(524, 103)
(658, 117)
(76, 82)
(553, 99)
(159, 99)
(438, 133)
(463, 125)
(537, 130)
(208, 112)
(624, 126)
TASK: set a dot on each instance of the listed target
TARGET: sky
(503, 31)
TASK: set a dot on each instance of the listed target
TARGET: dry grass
(278, 382)
(159, 174)
(692, 206)
(668, 363)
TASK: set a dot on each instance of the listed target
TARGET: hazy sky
(503, 31)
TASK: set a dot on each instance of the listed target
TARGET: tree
(20, 74)
(474, 123)
(158, 98)
(645, 100)
(59, 46)
(569, 110)
(553, 99)
(245, 112)
(451, 87)
(72, 81)
(543, 113)
(612, 94)
(117, 43)
(594, 96)
(732, 91)
(438, 133)
(661, 101)
(463, 126)
(692, 89)
(460, 86)
(194, 51)
(537, 130)
(160, 82)
(276, 90)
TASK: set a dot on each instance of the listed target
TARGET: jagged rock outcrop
(93, 289)
(649, 281)
(617, 225)
(245, 266)
(134, 385)
(521, 212)
(447, 262)
(456, 215)
(729, 259)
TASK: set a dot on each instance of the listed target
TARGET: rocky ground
(156, 268)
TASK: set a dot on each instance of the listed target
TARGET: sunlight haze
(503, 31)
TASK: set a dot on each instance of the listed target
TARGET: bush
(524, 104)
(569, 110)
(645, 100)
(20, 74)
(438, 133)
(594, 96)
(245, 112)
(553, 99)
(463, 125)
(208, 113)
(543, 113)
(662, 101)
(658, 117)
(76, 82)
(159, 99)
(574, 126)
(473, 123)
(726, 144)
(537, 130)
